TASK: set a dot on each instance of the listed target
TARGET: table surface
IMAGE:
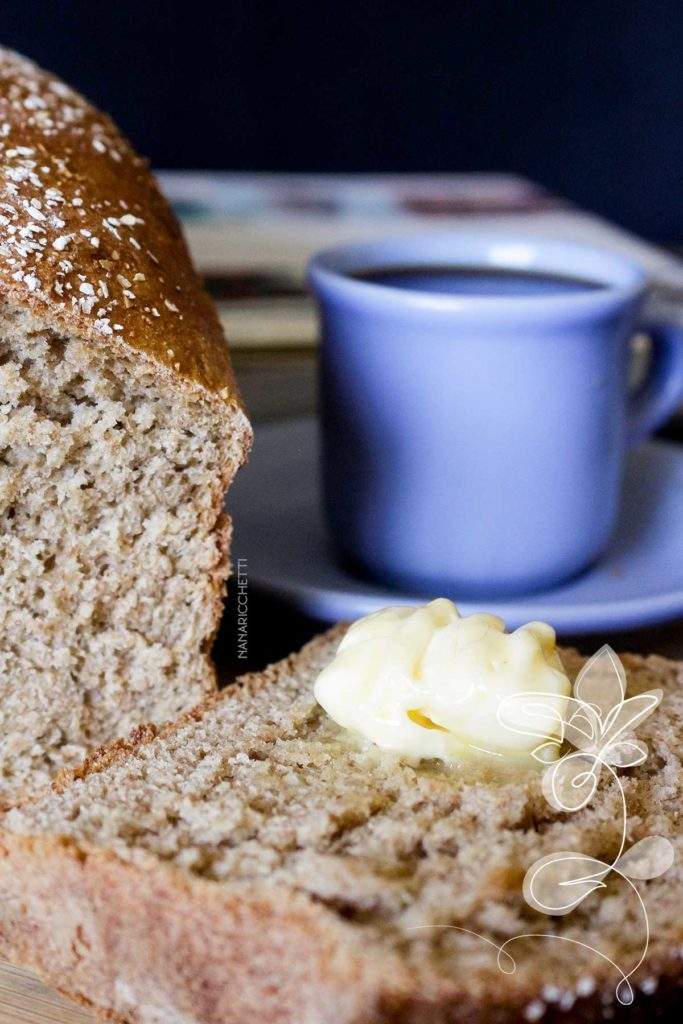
(277, 385)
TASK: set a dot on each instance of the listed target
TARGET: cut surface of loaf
(251, 862)
(120, 428)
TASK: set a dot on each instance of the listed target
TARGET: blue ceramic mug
(475, 418)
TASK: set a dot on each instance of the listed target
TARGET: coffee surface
(483, 281)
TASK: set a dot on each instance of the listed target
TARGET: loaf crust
(187, 948)
(198, 953)
(147, 942)
(87, 241)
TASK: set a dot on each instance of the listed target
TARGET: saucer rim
(328, 604)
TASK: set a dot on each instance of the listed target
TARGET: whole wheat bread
(249, 863)
(120, 428)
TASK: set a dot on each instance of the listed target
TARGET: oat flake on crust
(86, 236)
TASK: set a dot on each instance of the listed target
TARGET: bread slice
(120, 428)
(250, 863)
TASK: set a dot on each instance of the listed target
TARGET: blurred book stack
(251, 236)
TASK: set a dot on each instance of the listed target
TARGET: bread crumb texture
(120, 428)
(113, 548)
(260, 792)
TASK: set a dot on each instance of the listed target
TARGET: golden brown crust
(142, 945)
(87, 241)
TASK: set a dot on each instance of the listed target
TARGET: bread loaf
(250, 863)
(120, 428)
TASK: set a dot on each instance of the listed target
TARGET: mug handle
(657, 398)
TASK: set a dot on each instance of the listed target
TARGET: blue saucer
(279, 530)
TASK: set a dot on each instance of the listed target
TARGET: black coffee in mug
(488, 282)
(473, 440)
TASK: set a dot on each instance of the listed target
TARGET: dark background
(584, 98)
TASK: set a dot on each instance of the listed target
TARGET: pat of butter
(428, 683)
